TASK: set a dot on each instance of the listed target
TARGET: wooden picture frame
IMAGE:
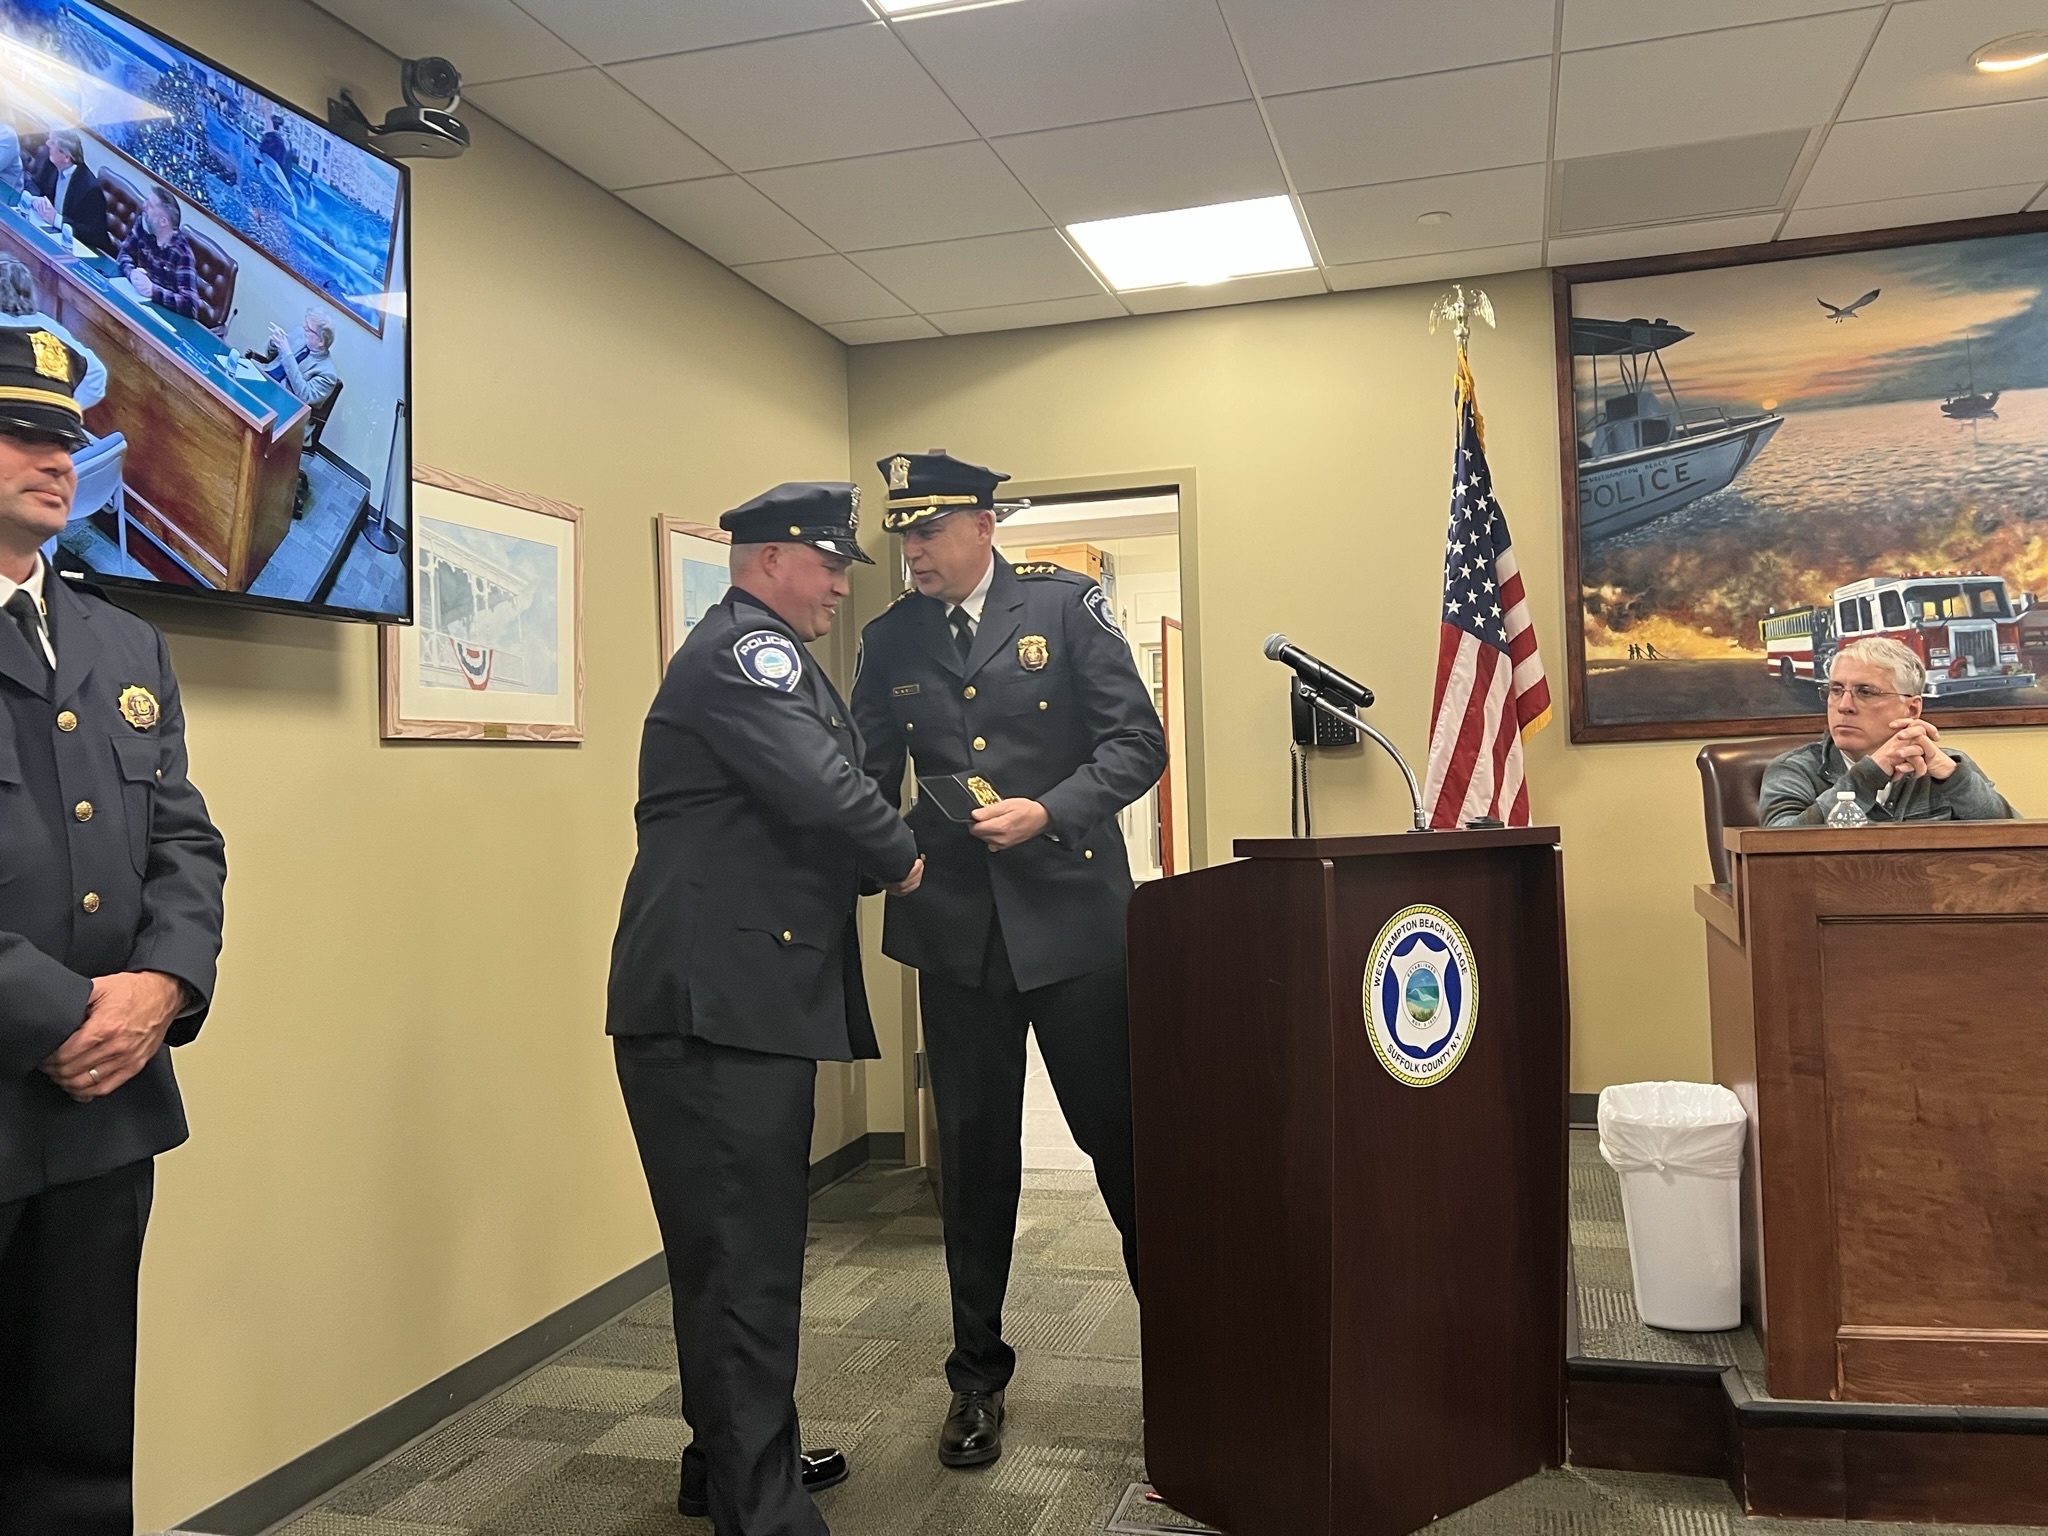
(1812, 533)
(495, 652)
(683, 592)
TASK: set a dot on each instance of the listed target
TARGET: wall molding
(306, 1479)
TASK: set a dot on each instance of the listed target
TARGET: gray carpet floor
(587, 1444)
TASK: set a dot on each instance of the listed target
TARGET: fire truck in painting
(1961, 624)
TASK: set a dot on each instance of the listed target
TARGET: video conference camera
(425, 128)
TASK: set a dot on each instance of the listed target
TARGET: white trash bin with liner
(1678, 1149)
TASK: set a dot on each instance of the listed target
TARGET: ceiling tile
(1423, 126)
(1900, 212)
(1664, 240)
(915, 195)
(1678, 182)
(1147, 164)
(819, 96)
(1304, 45)
(2039, 204)
(861, 333)
(1931, 152)
(1602, 23)
(827, 289)
(1443, 265)
(1712, 85)
(638, 29)
(976, 274)
(592, 124)
(1012, 317)
(1921, 60)
(1503, 207)
(487, 39)
(727, 220)
(1240, 290)
(1050, 63)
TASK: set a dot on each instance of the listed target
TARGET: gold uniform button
(91, 903)
(980, 745)
(82, 810)
(967, 692)
(787, 936)
(1043, 705)
(910, 725)
(67, 721)
(1087, 853)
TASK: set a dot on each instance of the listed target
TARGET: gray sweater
(1799, 790)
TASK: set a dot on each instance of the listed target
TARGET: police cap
(824, 514)
(38, 373)
(923, 486)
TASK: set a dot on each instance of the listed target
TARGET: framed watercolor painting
(1772, 451)
(496, 649)
(694, 575)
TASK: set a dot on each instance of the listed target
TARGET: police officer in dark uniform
(110, 923)
(1014, 680)
(735, 971)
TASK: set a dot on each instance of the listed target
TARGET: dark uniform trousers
(974, 1046)
(725, 1140)
(735, 971)
(69, 1258)
(1046, 705)
(108, 863)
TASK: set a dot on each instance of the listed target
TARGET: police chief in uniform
(1014, 680)
(735, 971)
(110, 922)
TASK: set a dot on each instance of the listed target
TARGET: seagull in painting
(1840, 312)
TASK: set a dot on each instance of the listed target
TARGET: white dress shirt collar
(976, 600)
(34, 588)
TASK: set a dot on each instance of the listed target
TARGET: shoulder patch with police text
(770, 658)
(1097, 603)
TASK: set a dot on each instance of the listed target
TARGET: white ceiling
(896, 178)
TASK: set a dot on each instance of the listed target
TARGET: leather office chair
(316, 421)
(1731, 784)
(215, 272)
(124, 207)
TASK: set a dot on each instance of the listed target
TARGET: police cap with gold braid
(924, 486)
(824, 514)
(38, 373)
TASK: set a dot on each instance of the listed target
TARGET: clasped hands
(1912, 751)
(125, 1024)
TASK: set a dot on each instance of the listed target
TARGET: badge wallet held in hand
(959, 795)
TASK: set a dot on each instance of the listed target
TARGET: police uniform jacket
(108, 862)
(757, 832)
(1046, 707)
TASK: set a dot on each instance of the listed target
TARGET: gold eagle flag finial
(1459, 308)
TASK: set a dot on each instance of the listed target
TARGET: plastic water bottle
(1846, 812)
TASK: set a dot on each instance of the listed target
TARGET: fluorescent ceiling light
(919, 7)
(2023, 50)
(1195, 245)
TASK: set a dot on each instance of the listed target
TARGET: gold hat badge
(899, 473)
(52, 361)
(139, 708)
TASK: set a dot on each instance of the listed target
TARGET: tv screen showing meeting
(235, 277)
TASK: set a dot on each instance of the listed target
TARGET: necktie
(963, 632)
(22, 609)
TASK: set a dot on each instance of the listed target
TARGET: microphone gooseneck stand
(1352, 720)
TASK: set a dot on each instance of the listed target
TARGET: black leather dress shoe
(972, 1435)
(823, 1468)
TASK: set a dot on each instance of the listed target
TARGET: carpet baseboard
(305, 1479)
(1584, 1112)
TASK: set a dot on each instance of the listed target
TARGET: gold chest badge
(139, 708)
(1032, 653)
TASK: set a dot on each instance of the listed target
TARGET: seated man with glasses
(1879, 746)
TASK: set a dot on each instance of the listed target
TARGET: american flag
(1490, 691)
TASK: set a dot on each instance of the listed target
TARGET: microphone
(1319, 675)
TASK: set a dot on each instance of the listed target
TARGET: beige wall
(408, 1141)
(1320, 435)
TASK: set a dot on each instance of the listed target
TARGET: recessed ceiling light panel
(2023, 50)
(1434, 216)
(1196, 245)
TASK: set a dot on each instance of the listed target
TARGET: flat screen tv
(237, 277)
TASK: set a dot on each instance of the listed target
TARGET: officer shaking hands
(1013, 692)
(110, 921)
(736, 969)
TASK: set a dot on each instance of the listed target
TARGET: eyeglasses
(1862, 693)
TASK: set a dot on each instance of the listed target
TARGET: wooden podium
(1353, 1289)
(1878, 1005)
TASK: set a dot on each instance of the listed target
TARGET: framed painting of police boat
(1771, 451)
(495, 652)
